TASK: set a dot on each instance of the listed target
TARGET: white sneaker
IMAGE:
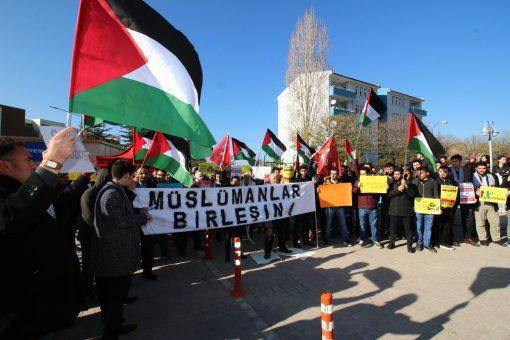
(360, 242)
(446, 247)
(378, 245)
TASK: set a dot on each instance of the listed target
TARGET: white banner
(179, 210)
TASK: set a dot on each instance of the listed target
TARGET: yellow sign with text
(448, 195)
(373, 184)
(206, 168)
(493, 194)
(430, 206)
(246, 169)
(287, 174)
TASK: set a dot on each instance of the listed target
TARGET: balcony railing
(341, 92)
(337, 111)
(418, 111)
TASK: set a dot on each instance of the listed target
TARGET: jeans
(330, 215)
(424, 228)
(368, 217)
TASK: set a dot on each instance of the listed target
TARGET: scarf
(487, 180)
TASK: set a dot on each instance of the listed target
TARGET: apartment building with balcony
(347, 96)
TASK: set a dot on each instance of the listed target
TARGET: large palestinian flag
(373, 109)
(420, 139)
(273, 146)
(304, 150)
(170, 154)
(242, 151)
(130, 66)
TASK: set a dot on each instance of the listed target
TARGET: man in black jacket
(115, 245)
(39, 289)
(401, 208)
(444, 221)
(144, 180)
(87, 203)
(427, 188)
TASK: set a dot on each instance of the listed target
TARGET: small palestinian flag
(89, 121)
(304, 150)
(373, 109)
(142, 141)
(273, 146)
(131, 67)
(242, 151)
(170, 154)
(350, 153)
(420, 139)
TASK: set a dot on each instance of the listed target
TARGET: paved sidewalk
(461, 294)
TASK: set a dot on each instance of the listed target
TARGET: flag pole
(316, 231)
(69, 115)
(357, 137)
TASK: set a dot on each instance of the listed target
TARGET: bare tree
(307, 80)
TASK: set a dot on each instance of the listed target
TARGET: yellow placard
(74, 176)
(373, 184)
(335, 195)
(287, 174)
(448, 195)
(206, 168)
(246, 169)
(493, 194)
(430, 206)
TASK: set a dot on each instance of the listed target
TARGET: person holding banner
(367, 209)
(463, 174)
(486, 211)
(337, 212)
(279, 225)
(427, 188)
(445, 220)
(115, 245)
(401, 197)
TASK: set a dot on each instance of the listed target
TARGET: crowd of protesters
(44, 284)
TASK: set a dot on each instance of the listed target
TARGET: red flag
(327, 157)
(223, 152)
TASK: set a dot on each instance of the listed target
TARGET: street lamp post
(440, 122)
(490, 131)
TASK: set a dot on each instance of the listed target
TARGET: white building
(346, 95)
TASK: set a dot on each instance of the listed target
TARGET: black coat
(40, 285)
(401, 203)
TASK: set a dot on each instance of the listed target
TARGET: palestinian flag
(89, 121)
(170, 154)
(273, 146)
(242, 151)
(373, 109)
(350, 152)
(142, 141)
(304, 150)
(131, 67)
(420, 139)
